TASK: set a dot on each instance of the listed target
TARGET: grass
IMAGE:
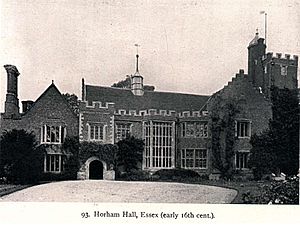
(6, 189)
(255, 187)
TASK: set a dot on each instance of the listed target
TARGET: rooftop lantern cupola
(255, 39)
(137, 86)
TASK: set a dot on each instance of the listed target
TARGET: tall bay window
(159, 146)
(53, 134)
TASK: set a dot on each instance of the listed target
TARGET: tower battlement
(280, 57)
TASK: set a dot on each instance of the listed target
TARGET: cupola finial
(137, 57)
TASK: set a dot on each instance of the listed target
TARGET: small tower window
(283, 70)
(266, 69)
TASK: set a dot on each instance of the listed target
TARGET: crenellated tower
(280, 71)
(266, 70)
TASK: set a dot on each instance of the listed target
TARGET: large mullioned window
(194, 158)
(53, 134)
(194, 129)
(159, 146)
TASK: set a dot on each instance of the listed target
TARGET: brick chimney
(12, 101)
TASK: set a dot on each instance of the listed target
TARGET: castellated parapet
(161, 113)
(278, 58)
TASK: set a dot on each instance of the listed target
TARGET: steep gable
(249, 101)
(50, 104)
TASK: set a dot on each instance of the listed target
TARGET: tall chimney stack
(12, 101)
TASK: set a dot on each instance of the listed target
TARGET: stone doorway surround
(83, 173)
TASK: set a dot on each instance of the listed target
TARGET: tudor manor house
(175, 127)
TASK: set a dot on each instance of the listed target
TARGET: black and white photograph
(160, 111)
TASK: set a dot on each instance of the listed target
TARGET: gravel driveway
(121, 191)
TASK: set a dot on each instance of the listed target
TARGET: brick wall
(251, 104)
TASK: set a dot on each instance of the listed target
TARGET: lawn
(255, 187)
(6, 189)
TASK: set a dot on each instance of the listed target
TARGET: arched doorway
(96, 170)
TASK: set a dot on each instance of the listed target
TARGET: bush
(130, 153)
(176, 174)
(278, 192)
(71, 161)
(106, 152)
(277, 149)
(134, 175)
(21, 160)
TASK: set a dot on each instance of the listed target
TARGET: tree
(73, 102)
(123, 83)
(263, 159)
(223, 134)
(277, 150)
(127, 84)
(130, 153)
(71, 147)
(284, 129)
(20, 160)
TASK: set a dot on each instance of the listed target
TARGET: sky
(187, 46)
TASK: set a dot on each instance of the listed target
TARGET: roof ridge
(167, 92)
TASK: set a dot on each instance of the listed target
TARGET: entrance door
(96, 170)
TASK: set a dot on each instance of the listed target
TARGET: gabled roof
(125, 99)
(51, 86)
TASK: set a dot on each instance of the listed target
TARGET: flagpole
(265, 28)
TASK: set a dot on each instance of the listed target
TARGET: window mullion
(59, 135)
(59, 166)
(194, 157)
(45, 133)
